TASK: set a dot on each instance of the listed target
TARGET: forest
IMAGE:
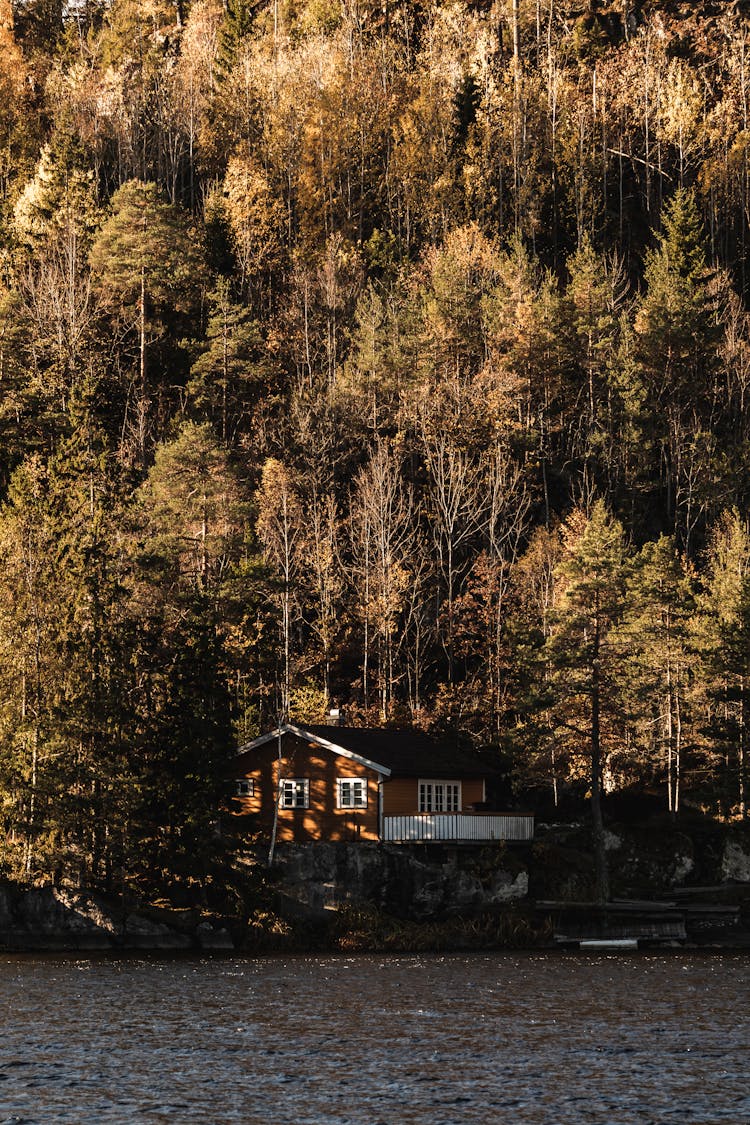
(392, 357)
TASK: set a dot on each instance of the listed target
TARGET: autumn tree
(280, 527)
(383, 535)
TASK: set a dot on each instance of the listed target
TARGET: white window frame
(244, 787)
(353, 784)
(294, 793)
(433, 795)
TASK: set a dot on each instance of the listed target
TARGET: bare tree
(280, 525)
(57, 303)
(322, 564)
(458, 507)
(508, 518)
(383, 535)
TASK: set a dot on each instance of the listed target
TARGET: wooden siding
(322, 820)
(462, 827)
(401, 794)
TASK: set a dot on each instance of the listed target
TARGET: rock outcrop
(735, 861)
(423, 882)
(49, 918)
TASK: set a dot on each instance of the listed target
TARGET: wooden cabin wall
(401, 794)
(322, 820)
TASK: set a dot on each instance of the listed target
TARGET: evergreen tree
(677, 339)
(233, 374)
(191, 509)
(59, 205)
(62, 669)
(150, 265)
(584, 657)
(656, 629)
(593, 299)
(238, 16)
(723, 632)
(179, 739)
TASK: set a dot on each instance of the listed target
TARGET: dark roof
(406, 753)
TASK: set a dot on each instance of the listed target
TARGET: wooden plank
(623, 907)
(660, 931)
(608, 943)
(700, 909)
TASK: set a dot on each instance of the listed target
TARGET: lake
(538, 1038)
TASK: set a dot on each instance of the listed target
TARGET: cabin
(358, 785)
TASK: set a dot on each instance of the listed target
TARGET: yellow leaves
(422, 156)
(255, 216)
(12, 66)
(680, 105)
(280, 515)
(56, 199)
(320, 16)
(131, 26)
(193, 73)
(728, 563)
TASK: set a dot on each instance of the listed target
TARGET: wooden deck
(622, 920)
(462, 828)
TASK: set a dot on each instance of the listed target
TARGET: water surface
(543, 1039)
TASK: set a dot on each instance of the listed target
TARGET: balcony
(461, 828)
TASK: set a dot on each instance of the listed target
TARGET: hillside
(393, 358)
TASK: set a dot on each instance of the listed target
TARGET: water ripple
(519, 1039)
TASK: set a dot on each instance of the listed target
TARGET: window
(439, 796)
(352, 792)
(295, 793)
(244, 787)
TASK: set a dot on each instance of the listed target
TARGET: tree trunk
(670, 756)
(600, 853)
(142, 357)
(741, 751)
(275, 827)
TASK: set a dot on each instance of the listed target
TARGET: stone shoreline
(425, 897)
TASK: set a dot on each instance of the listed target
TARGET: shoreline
(524, 929)
(684, 886)
(129, 954)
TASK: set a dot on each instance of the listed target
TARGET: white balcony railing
(461, 827)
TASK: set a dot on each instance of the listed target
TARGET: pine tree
(61, 665)
(148, 263)
(231, 377)
(593, 300)
(178, 736)
(677, 340)
(656, 630)
(185, 537)
(191, 509)
(238, 16)
(59, 204)
(723, 640)
(584, 658)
